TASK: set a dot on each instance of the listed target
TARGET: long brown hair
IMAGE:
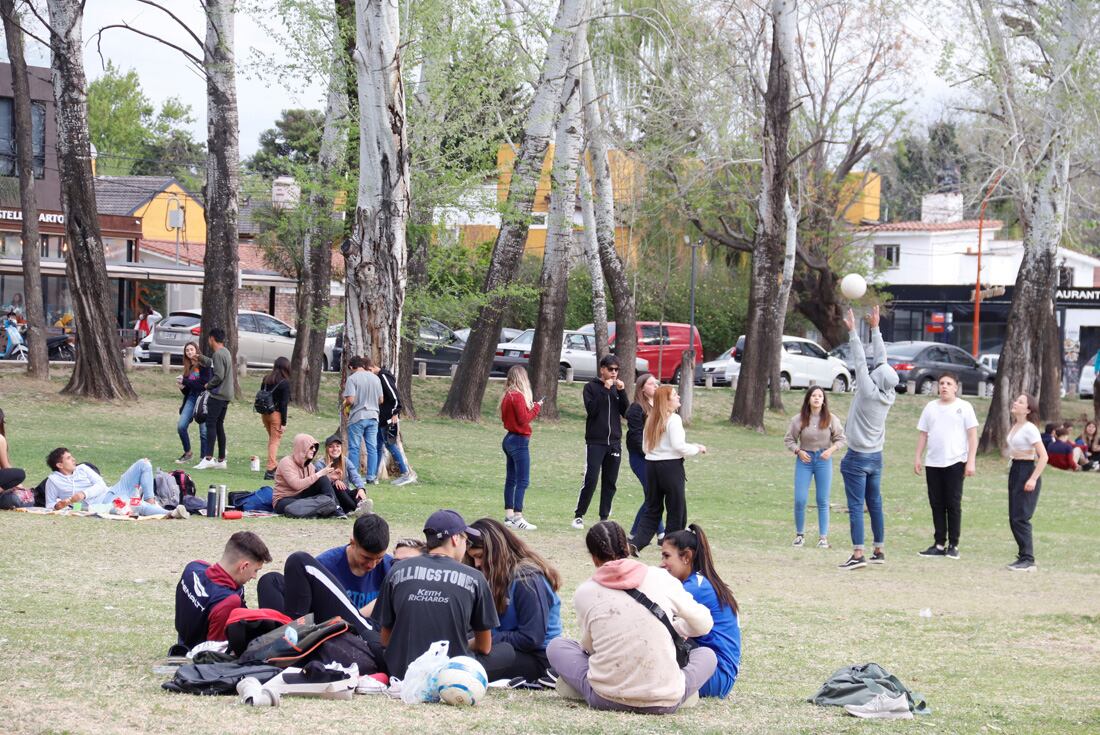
(639, 398)
(657, 418)
(702, 561)
(280, 371)
(506, 558)
(1032, 408)
(189, 364)
(807, 412)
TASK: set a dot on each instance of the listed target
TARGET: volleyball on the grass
(462, 681)
(853, 286)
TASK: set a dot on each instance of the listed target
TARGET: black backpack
(265, 399)
(202, 407)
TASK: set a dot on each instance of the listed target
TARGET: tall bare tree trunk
(312, 319)
(420, 235)
(1050, 381)
(791, 241)
(468, 388)
(99, 372)
(592, 260)
(765, 320)
(221, 264)
(626, 338)
(376, 251)
(554, 279)
(38, 365)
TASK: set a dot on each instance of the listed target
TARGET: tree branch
(179, 22)
(196, 61)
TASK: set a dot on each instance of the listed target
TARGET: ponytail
(606, 541)
(702, 561)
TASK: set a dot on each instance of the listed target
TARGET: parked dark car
(922, 363)
(438, 346)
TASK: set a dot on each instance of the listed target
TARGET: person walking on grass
(389, 417)
(277, 382)
(626, 659)
(814, 435)
(517, 411)
(948, 430)
(604, 406)
(666, 448)
(686, 555)
(865, 430)
(1029, 458)
(644, 388)
(220, 386)
(362, 399)
(191, 382)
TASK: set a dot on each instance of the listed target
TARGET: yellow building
(157, 200)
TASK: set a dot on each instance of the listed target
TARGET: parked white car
(1088, 376)
(577, 352)
(803, 363)
(716, 368)
(261, 337)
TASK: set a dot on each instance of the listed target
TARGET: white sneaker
(509, 521)
(292, 683)
(578, 523)
(179, 512)
(204, 464)
(220, 465)
(369, 685)
(882, 707)
(406, 479)
(252, 692)
(523, 524)
(365, 508)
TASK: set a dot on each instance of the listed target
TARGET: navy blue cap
(445, 523)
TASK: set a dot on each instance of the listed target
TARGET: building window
(887, 256)
(8, 163)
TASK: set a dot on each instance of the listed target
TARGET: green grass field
(86, 605)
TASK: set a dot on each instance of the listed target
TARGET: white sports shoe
(523, 524)
(179, 512)
(882, 707)
(369, 685)
(365, 508)
(342, 683)
(406, 479)
(204, 464)
(578, 523)
(220, 465)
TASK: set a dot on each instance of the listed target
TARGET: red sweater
(219, 616)
(516, 416)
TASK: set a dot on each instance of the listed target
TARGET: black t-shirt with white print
(432, 598)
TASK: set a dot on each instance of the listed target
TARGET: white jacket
(673, 443)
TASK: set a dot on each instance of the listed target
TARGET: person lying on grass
(206, 593)
(71, 483)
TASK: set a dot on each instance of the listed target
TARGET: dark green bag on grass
(859, 684)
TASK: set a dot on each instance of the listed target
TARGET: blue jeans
(139, 476)
(356, 432)
(862, 473)
(187, 414)
(395, 450)
(637, 466)
(517, 473)
(821, 472)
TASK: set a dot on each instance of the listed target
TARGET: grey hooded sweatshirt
(875, 394)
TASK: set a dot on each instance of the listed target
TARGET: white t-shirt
(946, 425)
(1023, 440)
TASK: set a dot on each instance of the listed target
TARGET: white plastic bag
(419, 682)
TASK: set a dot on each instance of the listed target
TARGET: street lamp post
(687, 360)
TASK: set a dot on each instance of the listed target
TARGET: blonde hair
(657, 418)
(517, 381)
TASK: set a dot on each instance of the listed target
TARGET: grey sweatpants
(571, 662)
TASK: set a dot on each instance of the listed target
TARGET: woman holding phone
(517, 411)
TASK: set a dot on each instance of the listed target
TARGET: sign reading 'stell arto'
(51, 218)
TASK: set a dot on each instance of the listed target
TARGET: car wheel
(675, 380)
(784, 382)
(562, 370)
(927, 387)
(989, 389)
(66, 352)
(840, 384)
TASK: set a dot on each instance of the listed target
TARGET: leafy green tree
(294, 141)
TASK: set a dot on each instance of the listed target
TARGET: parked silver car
(261, 337)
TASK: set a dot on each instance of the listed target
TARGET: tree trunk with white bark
(544, 365)
(315, 286)
(468, 388)
(38, 361)
(592, 261)
(765, 320)
(221, 263)
(375, 254)
(99, 371)
(614, 271)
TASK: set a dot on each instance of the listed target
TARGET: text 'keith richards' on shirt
(432, 598)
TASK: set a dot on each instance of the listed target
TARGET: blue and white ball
(461, 682)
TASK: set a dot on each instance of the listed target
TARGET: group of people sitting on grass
(1082, 453)
(650, 637)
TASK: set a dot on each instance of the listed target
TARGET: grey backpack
(166, 489)
(316, 506)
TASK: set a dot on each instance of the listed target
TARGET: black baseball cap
(446, 523)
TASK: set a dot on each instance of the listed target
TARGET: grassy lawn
(86, 605)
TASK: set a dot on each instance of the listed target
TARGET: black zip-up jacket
(605, 408)
(635, 427)
(391, 401)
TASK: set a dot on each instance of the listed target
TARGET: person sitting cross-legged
(73, 483)
(206, 593)
(296, 480)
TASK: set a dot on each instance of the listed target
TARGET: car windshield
(526, 338)
(725, 355)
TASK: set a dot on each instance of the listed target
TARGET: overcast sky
(165, 73)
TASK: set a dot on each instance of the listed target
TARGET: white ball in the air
(853, 286)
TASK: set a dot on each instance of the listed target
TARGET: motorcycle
(15, 347)
(61, 348)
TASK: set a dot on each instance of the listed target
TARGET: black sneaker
(933, 550)
(854, 563)
(879, 557)
(1023, 566)
(952, 552)
(269, 475)
(549, 679)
